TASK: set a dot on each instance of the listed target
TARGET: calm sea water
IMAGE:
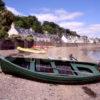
(95, 54)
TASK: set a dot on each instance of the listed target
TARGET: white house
(91, 40)
(13, 30)
(64, 39)
(42, 37)
(74, 39)
(20, 31)
(24, 32)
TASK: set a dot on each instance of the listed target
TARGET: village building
(25, 32)
(38, 37)
(20, 31)
(74, 39)
(49, 38)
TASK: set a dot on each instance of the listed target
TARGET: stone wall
(13, 44)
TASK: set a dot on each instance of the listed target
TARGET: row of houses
(81, 39)
(37, 36)
(50, 38)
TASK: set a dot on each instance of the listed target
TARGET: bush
(3, 34)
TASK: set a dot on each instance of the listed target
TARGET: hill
(7, 17)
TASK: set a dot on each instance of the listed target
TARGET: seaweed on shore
(89, 91)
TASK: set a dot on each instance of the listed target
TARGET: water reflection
(95, 54)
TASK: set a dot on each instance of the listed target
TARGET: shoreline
(14, 88)
(62, 53)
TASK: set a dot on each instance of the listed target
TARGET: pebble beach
(14, 88)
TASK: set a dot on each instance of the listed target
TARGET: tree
(71, 33)
(21, 21)
(2, 5)
(37, 27)
(28, 22)
(3, 34)
(60, 31)
(31, 19)
(47, 27)
(6, 19)
(50, 27)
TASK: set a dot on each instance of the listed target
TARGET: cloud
(72, 25)
(64, 19)
(68, 20)
(46, 17)
(92, 30)
(56, 15)
(13, 10)
(82, 28)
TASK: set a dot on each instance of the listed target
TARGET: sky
(81, 16)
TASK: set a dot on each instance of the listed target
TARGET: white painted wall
(64, 39)
(12, 30)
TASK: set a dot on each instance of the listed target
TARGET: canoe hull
(9, 68)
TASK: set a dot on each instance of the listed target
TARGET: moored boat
(50, 70)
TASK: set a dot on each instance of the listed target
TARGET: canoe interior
(56, 67)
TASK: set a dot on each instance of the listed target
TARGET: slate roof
(26, 32)
(23, 31)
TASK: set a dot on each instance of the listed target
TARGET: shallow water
(95, 54)
(62, 53)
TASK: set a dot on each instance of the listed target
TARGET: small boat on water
(31, 50)
(50, 70)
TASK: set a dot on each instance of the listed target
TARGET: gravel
(14, 88)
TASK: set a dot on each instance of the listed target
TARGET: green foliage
(72, 33)
(31, 20)
(2, 5)
(6, 19)
(60, 31)
(47, 27)
(50, 27)
(29, 38)
(36, 26)
(16, 37)
(3, 34)
(28, 22)
(21, 22)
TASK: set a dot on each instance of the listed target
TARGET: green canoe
(49, 70)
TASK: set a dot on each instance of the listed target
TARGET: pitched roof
(23, 31)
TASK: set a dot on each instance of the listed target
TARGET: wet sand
(13, 88)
